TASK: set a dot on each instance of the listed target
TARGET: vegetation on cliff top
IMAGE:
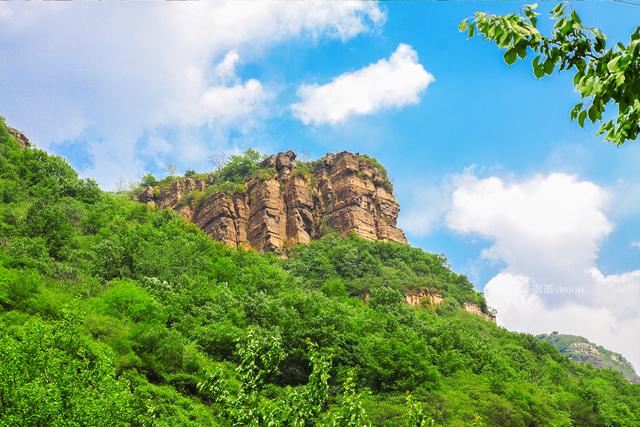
(112, 313)
(234, 174)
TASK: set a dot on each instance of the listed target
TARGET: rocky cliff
(19, 136)
(434, 299)
(287, 202)
(579, 349)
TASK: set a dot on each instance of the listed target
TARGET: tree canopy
(115, 313)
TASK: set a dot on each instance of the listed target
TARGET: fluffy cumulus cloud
(109, 74)
(546, 230)
(393, 82)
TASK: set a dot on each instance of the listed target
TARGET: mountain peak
(274, 203)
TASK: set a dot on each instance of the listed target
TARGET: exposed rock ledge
(474, 309)
(422, 297)
(20, 137)
(344, 192)
(433, 299)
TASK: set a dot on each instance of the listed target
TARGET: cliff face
(289, 203)
(434, 299)
(19, 136)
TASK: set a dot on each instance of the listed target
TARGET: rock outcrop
(288, 203)
(20, 137)
(423, 297)
(581, 350)
(477, 310)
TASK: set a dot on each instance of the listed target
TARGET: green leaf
(575, 110)
(548, 65)
(510, 56)
(581, 117)
(522, 50)
(471, 29)
(463, 25)
(575, 18)
(600, 40)
(593, 113)
(558, 10)
(612, 65)
(538, 69)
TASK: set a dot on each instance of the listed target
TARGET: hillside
(275, 203)
(582, 350)
(113, 313)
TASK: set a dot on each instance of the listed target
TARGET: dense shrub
(113, 313)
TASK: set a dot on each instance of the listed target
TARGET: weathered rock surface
(422, 297)
(20, 137)
(344, 192)
(474, 309)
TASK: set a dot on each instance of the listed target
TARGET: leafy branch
(603, 75)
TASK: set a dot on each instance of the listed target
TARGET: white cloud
(118, 70)
(226, 69)
(544, 226)
(547, 230)
(636, 244)
(521, 307)
(393, 82)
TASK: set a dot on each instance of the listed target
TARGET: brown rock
(344, 191)
(147, 197)
(474, 309)
(420, 297)
(20, 137)
(216, 216)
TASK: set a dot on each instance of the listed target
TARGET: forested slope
(582, 350)
(114, 313)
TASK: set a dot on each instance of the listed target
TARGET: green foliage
(351, 412)
(112, 313)
(603, 75)
(363, 265)
(260, 354)
(416, 416)
(232, 177)
(50, 222)
(305, 170)
(266, 174)
(7, 142)
(148, 180)
(239, 167)
(51, 375)
(573, 347)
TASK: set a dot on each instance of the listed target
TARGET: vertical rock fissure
(344, 192)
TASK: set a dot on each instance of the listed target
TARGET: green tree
(239, 167)
(50, 222)
(416, 416)
(351, 412)
(51, 375)
(148, 180)
(603, 75)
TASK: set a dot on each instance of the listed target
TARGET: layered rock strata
(293, 204)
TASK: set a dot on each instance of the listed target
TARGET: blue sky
(123, 89)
